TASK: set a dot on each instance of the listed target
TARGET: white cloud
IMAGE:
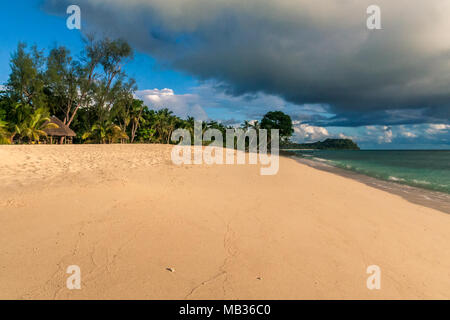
(383, 134)
(306, 133)
(437, 128)
(344, 136)
(156, 95)
(209, 100)
(386, 136)
(408, 134)
(182, 105)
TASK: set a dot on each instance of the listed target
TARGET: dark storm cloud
(307, 52)
(382, 117)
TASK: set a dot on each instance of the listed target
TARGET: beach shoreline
(140, 227)
(428, 198)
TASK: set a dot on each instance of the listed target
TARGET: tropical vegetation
(93, 96)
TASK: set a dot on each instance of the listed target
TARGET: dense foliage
(94, 97)
(278, 120)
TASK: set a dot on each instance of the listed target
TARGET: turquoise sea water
(419, 168)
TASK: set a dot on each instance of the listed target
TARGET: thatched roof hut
(62, 131)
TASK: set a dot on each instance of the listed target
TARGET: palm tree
(4, 134)
(255, 125)
(107, 133)
(164, 125)
(33, 127)
(136, 117)
(97, 133)
(171, 125)
(246, 125)
(115, 133)
(215, 125)
(188, 125)
(19, 115)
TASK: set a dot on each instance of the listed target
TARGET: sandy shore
(424, 197)
(125, 213)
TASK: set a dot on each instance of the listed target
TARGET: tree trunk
(133, 132)
(169, 136)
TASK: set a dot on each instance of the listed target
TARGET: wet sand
(432, 199)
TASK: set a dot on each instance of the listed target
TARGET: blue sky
(223, 69)
(27, 22)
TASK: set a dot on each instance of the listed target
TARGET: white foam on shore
(392, 178)
(421, 182)
(415, 194)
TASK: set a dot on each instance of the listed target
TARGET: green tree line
(93, 95)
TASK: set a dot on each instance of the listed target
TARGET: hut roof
(61, 131)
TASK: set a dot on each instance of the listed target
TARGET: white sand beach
(126, 213)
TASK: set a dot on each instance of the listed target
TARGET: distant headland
(328, 144)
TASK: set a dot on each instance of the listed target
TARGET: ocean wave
(392, 178)
(420, 173)
(421, 182)
(322, 160)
